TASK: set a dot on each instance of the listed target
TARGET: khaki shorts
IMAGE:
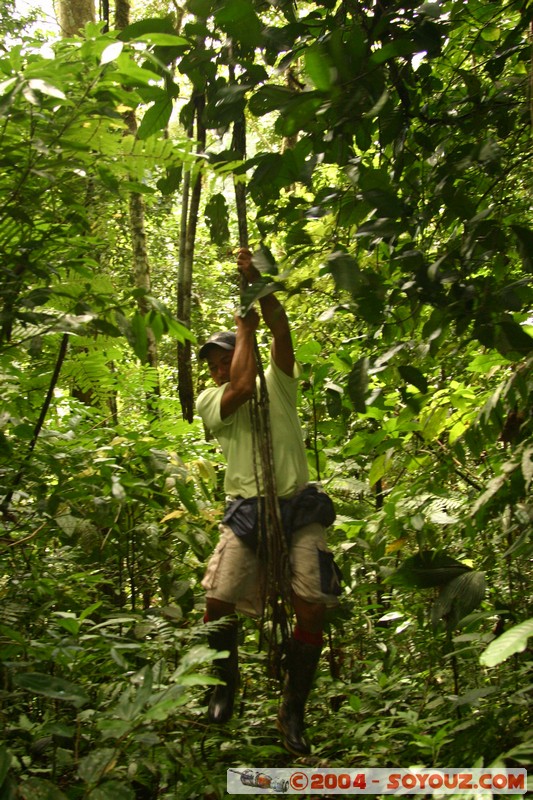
(233, 576)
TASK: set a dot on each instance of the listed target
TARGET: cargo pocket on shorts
(330, 574)
(213, 566)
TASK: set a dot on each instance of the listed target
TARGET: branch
(4, 507)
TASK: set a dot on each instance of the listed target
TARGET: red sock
(307, 637)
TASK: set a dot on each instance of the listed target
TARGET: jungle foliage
(388, 177)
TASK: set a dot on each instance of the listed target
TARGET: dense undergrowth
(105, 664)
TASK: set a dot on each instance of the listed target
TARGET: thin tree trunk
(141, 267)
(63, 347)
(189, 224)
(141, 271)
(289, 142)
(184, 289)
(531, 76)
(74, 15)
(239, 146)
(122, 14)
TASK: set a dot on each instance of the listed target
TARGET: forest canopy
(376, 156)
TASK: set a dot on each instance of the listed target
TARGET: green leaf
(47, 88)
(269, 98)
(200, 8)
(95, 765)
(111, 52)
(5, 762)
(426, 569)
(345, 271)
(10, 633)
(226, 105)
(255, 291)
(527, 465)
(179, 331)
(400, 47)
(264, 261)
(413, 376)
(308, 352)
(217, 214)
(112, 790)
(491, 33)
(7, 85)
(89, 610)
(387, 203)
(358, 384)
(171, 182)
(512, 340)
(383, 228)
(144, 26)
(299, 114)
(334, 400)
(486, 362)
(318, 67)
(525, 245)
(50, 686)
(162, 39)
(433, 422)
(133, 75)
(139, 336)
(186, 495)
(512, 641)
(168, 702)
(458, 598)
(39, 789)
(379, 467)
(156, 118)
(238, 18)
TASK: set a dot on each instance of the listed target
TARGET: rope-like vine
(273, 552)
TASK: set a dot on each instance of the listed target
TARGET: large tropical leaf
(512, 641)
(52, 687)
(458, 598)
(427, 569)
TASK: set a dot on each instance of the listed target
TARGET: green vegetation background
(388, 176)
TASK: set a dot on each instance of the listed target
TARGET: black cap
(224, 339)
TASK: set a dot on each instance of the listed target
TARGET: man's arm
(274, 316)
(243, 370)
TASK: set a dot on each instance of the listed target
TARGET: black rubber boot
(302, 662)
(222, 696)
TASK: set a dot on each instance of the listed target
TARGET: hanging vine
(273, 549)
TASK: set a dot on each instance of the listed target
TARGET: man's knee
(216, 609)
(310, 616)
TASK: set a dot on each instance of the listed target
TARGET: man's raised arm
(243, 369)
(274, 316)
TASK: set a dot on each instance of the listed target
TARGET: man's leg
(310, 600)
(302, 660)
(223, 636)
(231, 574)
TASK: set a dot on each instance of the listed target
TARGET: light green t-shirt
(235, 437)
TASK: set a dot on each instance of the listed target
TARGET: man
(232, 579)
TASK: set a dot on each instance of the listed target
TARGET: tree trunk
(74, 15)
(141, 267)
(122, 14)
(189, 223)
(239, 146)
